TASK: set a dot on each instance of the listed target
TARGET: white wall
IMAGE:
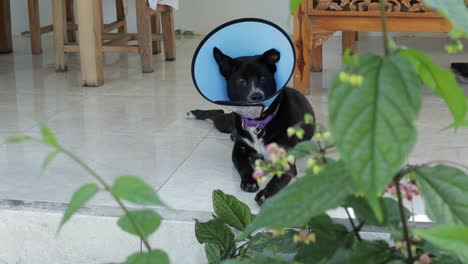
(198, 15)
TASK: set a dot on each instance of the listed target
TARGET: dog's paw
(190, 115)
(249, 186)
(260, 197)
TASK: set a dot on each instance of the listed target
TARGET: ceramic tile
(153, 159)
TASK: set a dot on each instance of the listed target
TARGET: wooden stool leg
(301, 77)
(59, 35)
(71, 33)
(6, 45)
(145, 42)
(34, 26)
(120, 11)
(156, 29)
(357, 36)
(349, 41)
(92, 61)
(167, 21)
(316, 56)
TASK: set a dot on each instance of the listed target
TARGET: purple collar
(258, 123)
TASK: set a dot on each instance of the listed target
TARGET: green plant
(374, 102)
(140, 222)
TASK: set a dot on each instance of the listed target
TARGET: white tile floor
(135, 124)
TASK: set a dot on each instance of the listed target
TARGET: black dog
(251, 79)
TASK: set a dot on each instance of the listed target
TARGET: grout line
(186, 158)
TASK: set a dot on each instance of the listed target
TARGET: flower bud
(291, 159)
(311, 162)
(308, 119)
(326, 135)
(344, 77)
(257, 174)
(425, 259)
(291, 131)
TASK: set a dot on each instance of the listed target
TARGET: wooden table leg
(349, 41)
(90, 35)
(60, 35)
(156, 29)
(70, 20)
(145, 42)
(167, 21)
(34, 26)
(301, 38)
(6, 43)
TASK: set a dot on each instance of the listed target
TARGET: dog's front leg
(275, 185)
(242, 161)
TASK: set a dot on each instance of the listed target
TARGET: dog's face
(251, 78)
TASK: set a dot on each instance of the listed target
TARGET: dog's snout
(257, 97)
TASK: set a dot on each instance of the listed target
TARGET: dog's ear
(226, 64)
(271, 57)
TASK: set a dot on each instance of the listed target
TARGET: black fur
(258, 74)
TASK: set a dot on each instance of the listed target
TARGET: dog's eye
(241, 82)
(261, 78)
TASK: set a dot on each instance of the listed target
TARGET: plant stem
(383, 17)
(403, 218)
(107, 188)
(355, 229)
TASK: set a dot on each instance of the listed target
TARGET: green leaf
(17, 138)
(146, 221)
(294, 5)
(374, 124)
(341, 256)
(438, 255)
(48, 159)
(304, 199)
(152, 257)
(231, 211)
(463, 123)
(304, 149)
(444, 190)
(324, 226)
(135, 190)
(48, 136)
(452, 238)
(79, 199)
(440, 80)
(217, 233)
(325, 248)
(453, 10)
(213, 253)
(258, 260)
(370, 252)
(363, 211)
(282, 244)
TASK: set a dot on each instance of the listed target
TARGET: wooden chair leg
(167, 21)
(145, 42)
(70, 9)
(59, 35)
(6, 45)
(349, 41)
(120, 11)
(34, 26)
(301, 38)
(357, 36)
(316, 56)
(91, 55)
(156, 29)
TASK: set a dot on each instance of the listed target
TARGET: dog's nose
(257, 97)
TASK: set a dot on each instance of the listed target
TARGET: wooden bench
(317, 20)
